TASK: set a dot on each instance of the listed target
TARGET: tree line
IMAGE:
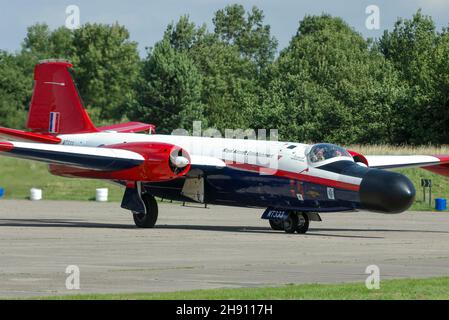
(329, 84)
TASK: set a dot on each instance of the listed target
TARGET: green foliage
(403, 289)
(420, 54)
(331, 85)
(107, 66)
(184, 34)
(14, 90)
(169, 93)
(328, 84)
(193, 74)
(41, 43)
(229, 84)
(249, 33)
(19, 176)
(106, 63)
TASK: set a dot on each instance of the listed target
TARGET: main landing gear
(295, 222)
(148, 218)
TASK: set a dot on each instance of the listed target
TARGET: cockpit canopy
(325, 151)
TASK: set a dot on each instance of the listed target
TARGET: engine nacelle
(161, 162)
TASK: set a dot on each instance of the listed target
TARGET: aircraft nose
(385, 191)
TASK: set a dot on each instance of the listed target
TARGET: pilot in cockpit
(324, 151)
(318, 155)
(337, 153)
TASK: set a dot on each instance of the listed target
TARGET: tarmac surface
(197, 248)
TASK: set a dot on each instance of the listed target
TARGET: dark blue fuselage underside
(231, 187)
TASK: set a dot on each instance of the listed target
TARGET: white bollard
(35, 194)
(102, 195)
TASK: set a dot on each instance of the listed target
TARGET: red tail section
(56, 107)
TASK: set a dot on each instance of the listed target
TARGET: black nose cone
(385, 191)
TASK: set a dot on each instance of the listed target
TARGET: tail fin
(56, 107)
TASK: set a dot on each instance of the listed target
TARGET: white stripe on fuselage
(273, 155)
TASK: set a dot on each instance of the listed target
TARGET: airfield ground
(196, 248)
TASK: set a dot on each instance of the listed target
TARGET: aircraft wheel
(147, 220)
(291, 223)
(303, 223)
(276, 224)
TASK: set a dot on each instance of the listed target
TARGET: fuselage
(257, 173)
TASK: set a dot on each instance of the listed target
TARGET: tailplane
(56, 107)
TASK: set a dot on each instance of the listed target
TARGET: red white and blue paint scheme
(294, 182)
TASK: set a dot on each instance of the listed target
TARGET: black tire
(291, 223)
(276, 224)
(147, 220)
(303, 223)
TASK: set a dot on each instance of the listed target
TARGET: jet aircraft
(293, 182)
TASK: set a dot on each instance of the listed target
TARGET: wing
(393, 162)
(438, 164)
(124, 162)
(128, 127)
(103, 159)
(18, 135)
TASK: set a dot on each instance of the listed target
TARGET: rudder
(56, 107)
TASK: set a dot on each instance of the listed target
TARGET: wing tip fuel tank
(6, 146)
